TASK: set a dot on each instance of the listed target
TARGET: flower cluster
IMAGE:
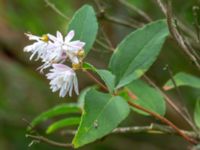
(53, 51)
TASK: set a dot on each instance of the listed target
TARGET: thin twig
(196, 21)
(119, 21)
(174, 33)
(96, 80)
(106, 38)
(104, 45)
(100, 8)
(168, 100)
(181, 98)
(102, 11)
(187, 43)
(54, 8)
(104, 15)
(183, 27)
(165, 120)
(151, 129)
(137, 10)
(162, 7)
(48, 141)
(177, 37)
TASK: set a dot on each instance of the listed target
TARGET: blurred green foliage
(35, 16)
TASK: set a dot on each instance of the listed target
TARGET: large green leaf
(147, 97)
(81, 98)
(137, 52)
(183, 79)
(102, 113)
(105, 75)
(84, 23)
(197, 113)
(63, 123)
(55, 111)
(108, 78)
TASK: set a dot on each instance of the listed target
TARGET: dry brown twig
(167, 10)
(48, 141)
(151, 129)
(184, 108)
(170, 102)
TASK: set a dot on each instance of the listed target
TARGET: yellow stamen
(76, 66)
(81, 53)
(45, 38)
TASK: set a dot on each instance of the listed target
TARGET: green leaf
(108, 78)
(147, 97)
(63, 123)
(105, 75)
(137, 52)
(197, 113)
(88, 66)
(55, 111)
(81, 98)
(85, 25)
(183, 79)
(102, 113)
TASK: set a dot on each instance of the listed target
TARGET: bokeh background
(25, 93)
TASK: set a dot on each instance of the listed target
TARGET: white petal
(28, 48)
(59, 36)
(32, 37)
(76, 45)
(63, 92)
(74, 59)
(69, 36)
(75, 81)
(70, 86)
(51, 37)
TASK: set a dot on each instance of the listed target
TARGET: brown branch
(119, 21)
(186, 41)
(104, 45)
(164, 120)
(48, 141)
(107, 39)
(174, 32)
(169, 101)
(104, 15)
(162, 7)
(188, 31)
(180, 97)
(96, 80)
(177, 37)
(151, 129)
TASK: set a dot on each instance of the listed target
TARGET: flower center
(76, 66)
(81, 53)
(45, 38)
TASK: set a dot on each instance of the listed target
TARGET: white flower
(63, 78)
(71, 48)
(39, 47)
(54, 54)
